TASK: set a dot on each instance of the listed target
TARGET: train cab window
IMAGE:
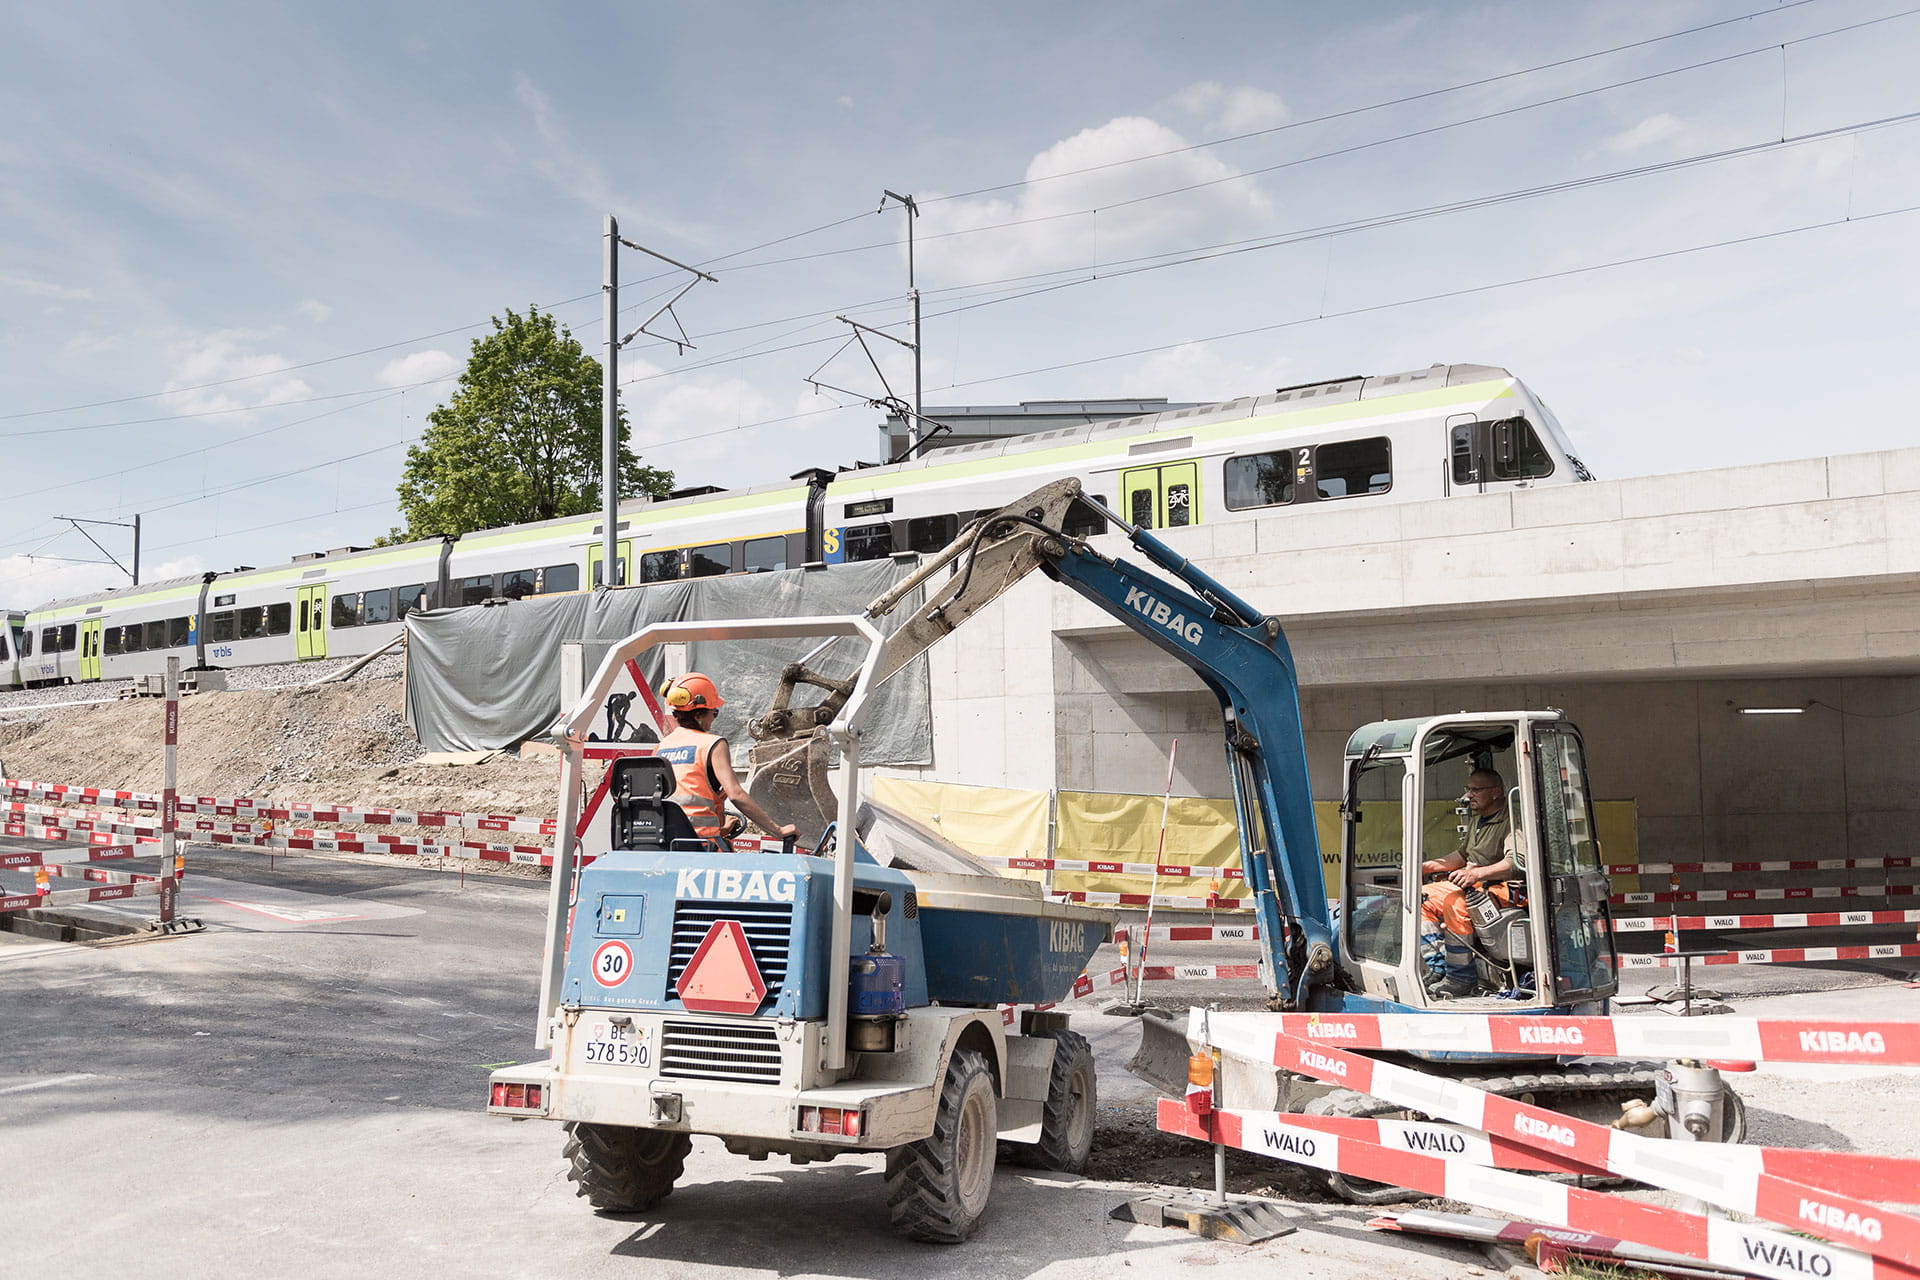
(1349, 468)
(475, 590)
(710, 561)
(376, 606)
(519, 584)
(931, 533)
(763, 555)
(660, 566)
(409, 600)
(344, 610)
(279, 618)
(868, 542)
(1260, 480)
(1516, 452)
(556, 578)
(220, 628)
(157, 634)
(1083, 521)
(179, 631)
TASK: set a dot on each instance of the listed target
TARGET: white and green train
(1408, 437)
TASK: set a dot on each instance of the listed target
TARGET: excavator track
(1587, 1091)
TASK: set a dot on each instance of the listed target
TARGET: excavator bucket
(1162, 1057)
(788, 778)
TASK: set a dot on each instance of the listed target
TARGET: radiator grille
(733, 1052)
(769, 929)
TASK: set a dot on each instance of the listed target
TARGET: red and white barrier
(1089, 983)
(1143, 899)
(1798, 920)
(1768, 895)
(15, 858)
(1874, 1044)
(1177, 870)
(1776, 955)
(1696, 1170)
(1731, 868)
(1747, 1249)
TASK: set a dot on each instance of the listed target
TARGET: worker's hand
(1465, 877)
(788, 835)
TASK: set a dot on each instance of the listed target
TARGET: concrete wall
(1647, 608)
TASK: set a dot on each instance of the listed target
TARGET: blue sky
(239, 241)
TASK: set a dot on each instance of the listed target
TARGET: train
(1430, 433)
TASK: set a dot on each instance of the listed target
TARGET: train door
(1166, 496)
(310, 626)
(90, 649)
(596, 556)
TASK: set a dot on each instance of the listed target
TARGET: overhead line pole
(134, 573)
(913, 297)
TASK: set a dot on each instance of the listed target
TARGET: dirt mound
(344, 743)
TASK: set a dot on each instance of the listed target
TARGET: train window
(279, 618)
(1517, 453)
(1142, 513)
(1349, 468)
(660, 566)
(67, 635)
(345, 610)
(1083, 521)
(133, 639)
(1260, 480)
(157, 634)
(50, 640)
(409, 600)
(179, 631)
(474, 590)
(764, 555)
(110, 642)
(868, 542)
(708, 561)
(219, 628)
(23, 643)
(376, 606)
(1179, 505)
(556, 578)
(520, 583)
(930, 533)
(252, 622)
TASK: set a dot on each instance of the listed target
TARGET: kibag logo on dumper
(1156, 612)
(733, 884)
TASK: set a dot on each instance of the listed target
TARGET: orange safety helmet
(693, 692)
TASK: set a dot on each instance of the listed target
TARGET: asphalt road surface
(299, 1089)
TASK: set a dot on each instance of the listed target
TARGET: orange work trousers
(1445, 904)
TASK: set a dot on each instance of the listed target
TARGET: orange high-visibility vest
(696, 788)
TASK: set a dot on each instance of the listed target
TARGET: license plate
(617, 1046)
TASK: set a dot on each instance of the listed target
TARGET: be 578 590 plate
(617, 1045)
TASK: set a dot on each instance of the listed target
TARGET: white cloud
(560, 159)
(1232, 110)
(217, 373)
(1045, 227)
(315, 310)
(691, 425)
(27, 583)
(416, 367)
(1650, 132)
(845, 100)
(14, 282)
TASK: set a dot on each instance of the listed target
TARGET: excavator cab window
(1375, 861)
(1576, 880)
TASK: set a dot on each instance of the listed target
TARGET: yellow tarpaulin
(996, 822)
(1098, 827)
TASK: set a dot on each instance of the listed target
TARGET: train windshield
(1558, 435)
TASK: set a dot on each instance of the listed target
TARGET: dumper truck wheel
(1066, 1123)
(937, 1188)
(623, 1170)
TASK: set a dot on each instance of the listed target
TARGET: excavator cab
(1505, 792)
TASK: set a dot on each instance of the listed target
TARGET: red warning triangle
(722, 977)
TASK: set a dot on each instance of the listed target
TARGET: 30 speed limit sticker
(612, 962)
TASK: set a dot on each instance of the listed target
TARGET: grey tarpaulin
(486, 677)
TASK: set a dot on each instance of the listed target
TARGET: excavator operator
(1481, 861)
(704, 779)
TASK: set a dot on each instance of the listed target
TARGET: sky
(245, 248)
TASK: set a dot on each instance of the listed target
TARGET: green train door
(90, 649)
(596, 556)
(310, 622)
(1162, 497)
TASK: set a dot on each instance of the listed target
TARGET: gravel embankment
(277, 676)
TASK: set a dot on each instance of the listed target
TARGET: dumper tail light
(517, 1097)
(837, 1122)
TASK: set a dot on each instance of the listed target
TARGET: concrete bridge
(1654, 610)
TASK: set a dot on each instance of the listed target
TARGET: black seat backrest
(643, 817)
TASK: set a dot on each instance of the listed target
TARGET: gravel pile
(284, 675)
(61, 693)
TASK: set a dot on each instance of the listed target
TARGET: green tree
(520, 439)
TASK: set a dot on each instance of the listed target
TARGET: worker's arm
(1441, 866)
(1467, 877)
(722, 761)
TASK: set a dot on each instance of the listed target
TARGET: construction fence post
(169, 796)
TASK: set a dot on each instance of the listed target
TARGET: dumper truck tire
(937, 1188)
(623, 1170)
(1067, 1120)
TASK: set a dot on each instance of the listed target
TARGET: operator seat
(644, 820)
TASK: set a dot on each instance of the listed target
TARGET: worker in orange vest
(704, 779)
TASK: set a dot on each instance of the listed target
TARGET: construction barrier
(277, 810)
(1867, 1240)
(1125, 976)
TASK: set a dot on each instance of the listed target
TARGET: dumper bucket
(1162, 1057)
(788, 778)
